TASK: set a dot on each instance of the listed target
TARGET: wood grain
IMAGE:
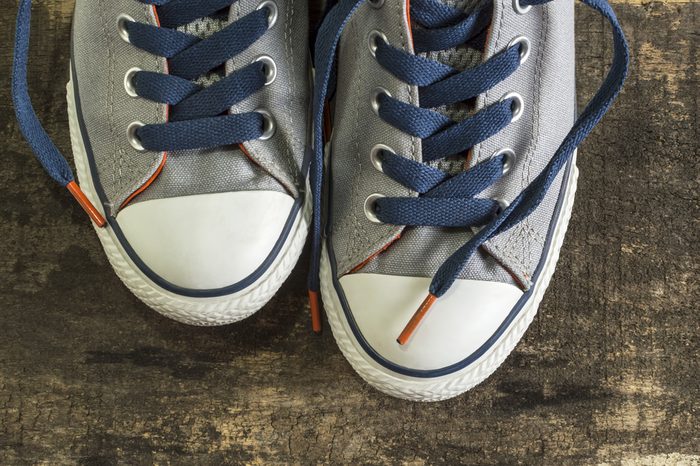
(607, 374)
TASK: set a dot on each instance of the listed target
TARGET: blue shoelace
(448, 200)
(199, 116)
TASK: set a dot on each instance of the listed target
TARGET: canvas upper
(545, 82)
(101, 59)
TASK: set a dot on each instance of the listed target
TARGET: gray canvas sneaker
(450, 177)
(189, 125)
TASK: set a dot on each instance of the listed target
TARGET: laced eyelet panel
(449, 200)
(199, 116)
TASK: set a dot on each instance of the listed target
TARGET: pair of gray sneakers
(194, 126)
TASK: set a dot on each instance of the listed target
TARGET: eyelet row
(509, 157)
(517, 108)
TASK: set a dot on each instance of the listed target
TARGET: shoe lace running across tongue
(447, 199)
(198, 95)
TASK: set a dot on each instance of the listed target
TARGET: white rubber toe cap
(458, 324)
(207, 241)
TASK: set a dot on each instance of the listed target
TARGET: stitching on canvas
(525, 228)
(535, 136)
(495, 44)
(288, 34)
(116, 158)
(350, 245)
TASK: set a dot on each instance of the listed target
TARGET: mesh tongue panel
(459, 58)
(204, 28)
(225, 169)
(421, 250)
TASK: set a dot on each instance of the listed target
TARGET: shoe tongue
(205, 28)
(459, 58)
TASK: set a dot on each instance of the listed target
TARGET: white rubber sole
(194, 311)
(451, 385)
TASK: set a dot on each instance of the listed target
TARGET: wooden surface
(608, 372)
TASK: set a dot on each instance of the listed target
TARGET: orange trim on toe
(408, 17)
(243, 149)
(315, 305)
(417, 318)
(155, 15)
(361, 265)
(147, 183)
(85, 203)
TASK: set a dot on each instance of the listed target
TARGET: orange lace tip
(85, 203)
(315, 311)
(417, 318)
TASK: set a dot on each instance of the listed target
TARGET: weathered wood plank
(607, 373)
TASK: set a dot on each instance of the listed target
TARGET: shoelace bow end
(46, 151)
(315, 306)
(416, 319)
(94, 214)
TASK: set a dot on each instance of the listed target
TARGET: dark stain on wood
(608, 372)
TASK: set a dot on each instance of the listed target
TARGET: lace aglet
(315, 311)
(417, 318)
(85, 203)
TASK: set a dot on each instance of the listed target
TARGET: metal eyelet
(269, 125)
(516, 107)
(122, 21)
(376, 4)
(373, 41)
(129, 82)
(375, 156)
(133, 137)
(274, 12)
(508, 159)
(371, 207)
(519, 9)
(524, 44)
(502, 205)
(374, 100)
(269, 68)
